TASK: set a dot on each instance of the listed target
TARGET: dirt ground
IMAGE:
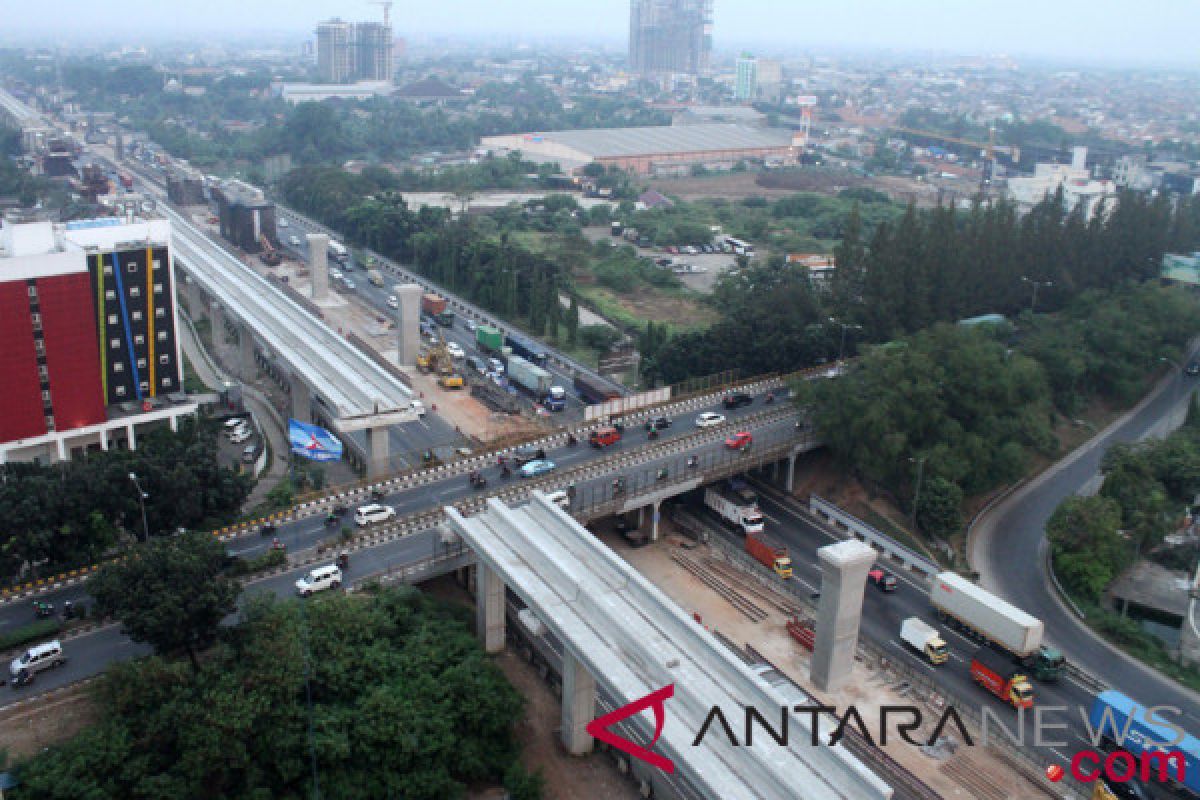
(467, 414)
(962, 774)
(27, 729)
(736, 185)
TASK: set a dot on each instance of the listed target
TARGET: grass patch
(191, 381)
(1128, 635)
(34, 631)
(682, 314)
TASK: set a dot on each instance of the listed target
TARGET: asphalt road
(1011, 569)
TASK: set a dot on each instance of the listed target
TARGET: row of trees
(63, 515)
(967, 407)
(380, 694)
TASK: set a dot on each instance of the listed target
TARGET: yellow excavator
(436, 358)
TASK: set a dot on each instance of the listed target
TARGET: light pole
(842, 347)
(1036, 286)
(920, 462)
(141, 502)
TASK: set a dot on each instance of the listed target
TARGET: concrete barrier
(845, 522)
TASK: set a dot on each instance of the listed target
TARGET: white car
(708, 419)
(240, 435)
(319, 579)
(335, 274)
(418, 408)
(455, 350)
(392, 302)
(372, 513)
(282, 222)
(294, 241)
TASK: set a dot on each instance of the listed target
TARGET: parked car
(537, 467)
(455, 350)
(708, 419)
(249, 453)
(392, 301)
(737, 400)
(37, 658)
(349, 284)
(282, 222)
(241, 435)
(739, 441)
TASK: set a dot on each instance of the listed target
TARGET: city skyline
(1155, 31)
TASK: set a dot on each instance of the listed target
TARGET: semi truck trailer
(529, 377)
(770, 553)
(593, 391)
(744, 516)
(489, 339)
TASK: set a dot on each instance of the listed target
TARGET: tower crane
(387, 10)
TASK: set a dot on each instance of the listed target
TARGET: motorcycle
(693, 462)
(505, 472)
(268, 529)
(653, 434)
(571, 440)
(770, 398)
(68, 610)
(343, 561)
(477, 480)
(43, 610)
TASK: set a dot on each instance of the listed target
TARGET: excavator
(269, 255)
(436, 358)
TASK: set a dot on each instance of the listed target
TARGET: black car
(737, 400)
(523, 455)
(1193, 368)
(658, 423)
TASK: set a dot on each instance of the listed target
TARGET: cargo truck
(529, 350)
(555, 399)
(337, 252)
(445, 319)
(592, 390)
(769, 553)
(925, 639)
(996, 672)
(432, 304)
(742, 515)
(529, 377)
(1125, 725)
(375, 277)
(488, 339)
(985, 617)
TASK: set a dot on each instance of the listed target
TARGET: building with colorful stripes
(88, 344)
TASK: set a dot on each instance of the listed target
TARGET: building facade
(745, 87)
(348, 52)
(670, 36)
(372, 52)
(335, 51)
(89, 345)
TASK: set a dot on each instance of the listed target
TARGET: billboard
(313, 442)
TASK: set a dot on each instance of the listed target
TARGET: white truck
(983, 616)
(733, 509)
(338, 252)
(375, 277)
(925, 639)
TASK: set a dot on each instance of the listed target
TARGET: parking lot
(231, 451)
(710, 266)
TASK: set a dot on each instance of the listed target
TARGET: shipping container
(432, 304)
(488, 339)
(769, 553)
(529, 377)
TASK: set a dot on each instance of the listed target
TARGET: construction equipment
(269, 255)
(987, 150)
(436, 358)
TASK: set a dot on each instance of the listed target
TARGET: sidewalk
(269, 420)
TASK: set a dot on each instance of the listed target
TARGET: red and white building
(88, 345)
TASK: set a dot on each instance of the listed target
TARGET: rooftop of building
(617, 142)
(1153, 586)
(22, 237)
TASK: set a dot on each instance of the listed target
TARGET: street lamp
(142, 497)
(1036, 285)
(842, 347)
(920, 462)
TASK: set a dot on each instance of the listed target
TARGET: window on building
(43, 373)
(160, 312)
(139, 338)
(118, 366)
(50, 422)
(136, 316)
(131, 266)
(145, 386)
(135, 291)
(109, 294)
(112, 319)
(32, 291)
(166, 383)
(36, 317)
(158, 288)
(46, 396)
(39, 346)
(115, 344)
(108, 269)
(164, 359)
(120, 391)
(162, 336)
(157, 264)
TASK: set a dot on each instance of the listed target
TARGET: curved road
(1014, 534)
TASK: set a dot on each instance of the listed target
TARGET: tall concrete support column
(104, 439)
(130, 437)
(654, 518)
(843, 578)
(408, 324)
(489, 608)
(791, 473)
(318, 265)
(216, 316)
(578, 704)
(377, 451)
(301, 400)
(246, 345)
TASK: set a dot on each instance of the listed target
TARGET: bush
(599, 337)
(266, 561)
(522, 784)
(34, 631)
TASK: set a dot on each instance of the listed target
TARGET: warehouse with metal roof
(653, 150)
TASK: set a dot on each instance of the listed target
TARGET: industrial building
(247, 217)
(653, 150)
(88, 340)
(670, 36)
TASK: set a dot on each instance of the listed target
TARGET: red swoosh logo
(599, 727)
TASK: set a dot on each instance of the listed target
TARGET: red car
(739, 441)
(883, 580)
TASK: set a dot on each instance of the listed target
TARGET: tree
(1087, 550)
(170, 593)
(939, 512)
(573, 321)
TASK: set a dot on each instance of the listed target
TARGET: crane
(987, 150)
(387, 10)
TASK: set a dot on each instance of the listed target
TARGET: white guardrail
(848, 523)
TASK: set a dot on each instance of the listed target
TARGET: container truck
(592, 390)
(529, 377)
(1125, 725)
(489, 339)
(769, 553)
(375, 277)
(432, 304)
(996, 672)
(925, 639)
(445, 319)
(983, 616)
(742, 515)
(531, 351)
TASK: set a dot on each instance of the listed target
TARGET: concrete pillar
(844, 569)
(578, 704)
(318, 265)
(408, 324)
(377, 451)
(301, 401)
(104, 439)
(791, 473)
(60, 445)
(130, 437)
(489, 608)
(654, 518)
(173, 421)
(246, 344)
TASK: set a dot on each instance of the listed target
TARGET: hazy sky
(1119, 31)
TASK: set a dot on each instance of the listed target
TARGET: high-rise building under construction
(670, 36)
(354, 51)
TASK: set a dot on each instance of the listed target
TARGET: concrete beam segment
(377, 451)
(318, 264)
(578, 705)
(844, 569)
(408, 324)
(489, 608)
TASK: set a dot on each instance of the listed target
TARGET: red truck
(126, 180)
(769, 553)
(433, 304)
(996, 672)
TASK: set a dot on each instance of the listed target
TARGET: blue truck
(1125, 725)
(529, 350)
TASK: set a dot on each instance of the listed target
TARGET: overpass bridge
(624, 636)
(35, 130)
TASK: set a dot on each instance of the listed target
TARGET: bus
(739, 247)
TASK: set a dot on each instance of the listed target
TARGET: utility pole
(1036, 285)
(142, 496)
(842, 346)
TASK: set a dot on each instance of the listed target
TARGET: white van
(370, 514)
(319, 579)
(234, 423)
(37, 658)
(561, 499)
